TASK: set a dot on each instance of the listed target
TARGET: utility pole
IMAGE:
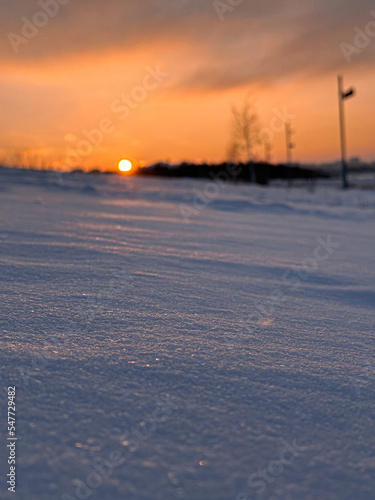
(342, 96)
(267, 151)
(289, 148)
(289, 143)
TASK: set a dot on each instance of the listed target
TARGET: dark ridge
(261, 173)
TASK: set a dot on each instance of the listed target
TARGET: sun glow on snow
(125, 165)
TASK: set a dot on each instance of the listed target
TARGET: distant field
(207, 344)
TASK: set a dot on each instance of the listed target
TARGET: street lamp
(343, 95)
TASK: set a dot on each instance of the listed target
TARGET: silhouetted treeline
(261, 173)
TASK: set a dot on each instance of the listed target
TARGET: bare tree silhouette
(267, 150)
(245, 134)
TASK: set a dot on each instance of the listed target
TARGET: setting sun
(125, 165)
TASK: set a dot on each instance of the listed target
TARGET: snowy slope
(187, 357)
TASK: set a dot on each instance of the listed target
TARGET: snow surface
(184, 347)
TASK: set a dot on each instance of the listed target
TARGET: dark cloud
(256, 41)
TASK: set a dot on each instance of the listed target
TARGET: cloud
(257, 41)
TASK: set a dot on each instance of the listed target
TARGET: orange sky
(75, 76)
